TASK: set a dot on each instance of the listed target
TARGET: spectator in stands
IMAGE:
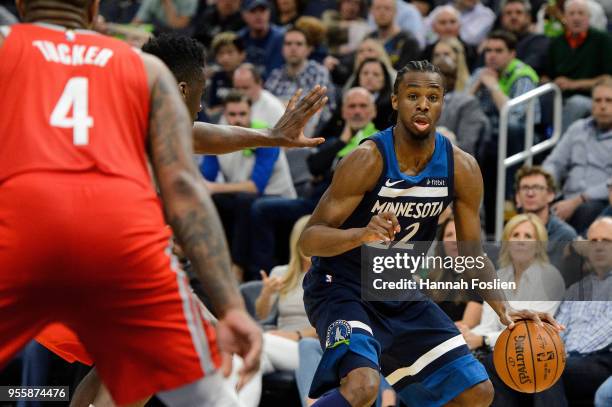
(263, 41)
(166, 15)
(462, 114)
(247, 174)
(373, 76)
(503, 77)
(369, 48)
(444, 22)
(535, 191)
(401, 45)
(523, 260)
(531, 48)
(408, 18)
(264, 106)
(603, 396)
(282, 291)
(274, 213)
(222, 16)
(228, 51)
(551, 22)
(586, 313)
(287, 12)
(476, 20)
(346, 26)
(300, 72)
(315, 32)
(581, 162)
(576, 60)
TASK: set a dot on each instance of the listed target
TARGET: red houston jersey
(72, 100)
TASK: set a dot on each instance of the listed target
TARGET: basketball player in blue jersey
(414, 344)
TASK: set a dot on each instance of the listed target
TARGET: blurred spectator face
(372, 77)
(366, 50)
(497, 54)
(446, 25)
(238, 114)
(229, 57)
(228, 7)
(521, 248)
(444, 52)
(599, 252)
(295, 48)
(244, 82)
(533, 194)
(449, 239)
(577, 17)
(358, 109)
(383, 12)
(602, 106)
(515, 18)
(257, 19)
(349, 9)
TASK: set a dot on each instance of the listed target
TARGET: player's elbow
(305, 244)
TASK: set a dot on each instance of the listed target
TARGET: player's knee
(480, 395)
(360, 386)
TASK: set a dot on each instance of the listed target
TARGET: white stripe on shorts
(194, 322)
(360, 325)
(426, 359)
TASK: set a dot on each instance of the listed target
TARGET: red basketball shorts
(91, 252)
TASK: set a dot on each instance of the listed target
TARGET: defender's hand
(289, 131)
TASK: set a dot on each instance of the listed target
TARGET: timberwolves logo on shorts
(338, 333)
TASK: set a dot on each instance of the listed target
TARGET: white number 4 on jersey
(75, 97)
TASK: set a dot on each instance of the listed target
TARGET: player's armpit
(187, 204)
(355, 175)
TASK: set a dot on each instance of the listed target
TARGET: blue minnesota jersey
(417, 202)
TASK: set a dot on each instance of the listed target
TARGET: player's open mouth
(420, 123)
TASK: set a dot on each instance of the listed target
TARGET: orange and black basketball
(529, 358)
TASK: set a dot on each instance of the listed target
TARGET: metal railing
(530, 150)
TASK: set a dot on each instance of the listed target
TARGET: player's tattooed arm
(288, 132)
(189, 209)
(355, 175)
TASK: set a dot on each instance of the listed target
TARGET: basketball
(529, 358)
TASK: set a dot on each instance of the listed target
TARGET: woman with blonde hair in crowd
(452, 49)
(523, 261)
(280, 346)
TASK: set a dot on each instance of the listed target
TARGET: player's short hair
(236, 97)
(507, 37)
(225, 39)
(527, 171)
(526, 4)
(184, 56)
(416, 66)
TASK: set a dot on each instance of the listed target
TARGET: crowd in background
(260, 52)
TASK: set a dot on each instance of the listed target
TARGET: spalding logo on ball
(529, 358)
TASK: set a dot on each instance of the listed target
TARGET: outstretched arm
(355, 175)
(288, 132)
